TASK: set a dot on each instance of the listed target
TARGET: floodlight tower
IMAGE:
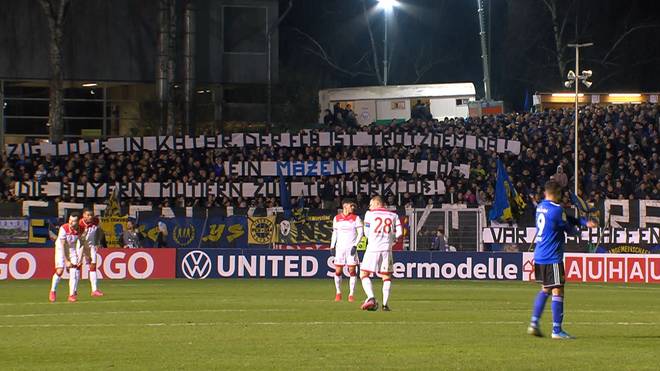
(574, 79)
(388, 7)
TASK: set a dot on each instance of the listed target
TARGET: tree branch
(623, 37)
(373, 42)
(322, 54)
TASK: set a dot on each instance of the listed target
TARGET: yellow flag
(261, 230)
(113, 208)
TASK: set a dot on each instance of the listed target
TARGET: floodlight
(387, 5)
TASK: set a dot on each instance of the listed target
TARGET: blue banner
(211, 232)
(264, 263)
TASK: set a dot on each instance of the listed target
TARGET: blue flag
(527, 104)
(285, 198)
(580, 204)
(508, 204)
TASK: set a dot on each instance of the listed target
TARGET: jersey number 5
(383, 226)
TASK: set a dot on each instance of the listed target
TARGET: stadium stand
(620, 149)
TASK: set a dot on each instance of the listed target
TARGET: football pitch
(295, 324)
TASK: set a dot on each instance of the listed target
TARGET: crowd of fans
(619, 158)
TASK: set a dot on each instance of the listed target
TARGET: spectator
(131, 238)
(161, 236)
(560, 177)
(439, 240)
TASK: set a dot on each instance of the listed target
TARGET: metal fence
(460, 227)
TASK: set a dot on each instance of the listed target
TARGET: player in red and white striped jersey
(66, 256)
(382, 228)
(346, 234)
(89, 242)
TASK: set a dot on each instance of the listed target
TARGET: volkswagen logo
(196, 265)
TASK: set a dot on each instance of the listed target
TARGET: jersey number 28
(384, 225)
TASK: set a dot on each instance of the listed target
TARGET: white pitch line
(80, 302)
(317, 323)
(23, 315)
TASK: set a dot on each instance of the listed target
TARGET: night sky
(436, 41)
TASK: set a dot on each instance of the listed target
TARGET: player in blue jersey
(551, 224)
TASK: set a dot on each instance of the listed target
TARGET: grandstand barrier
(38, 263)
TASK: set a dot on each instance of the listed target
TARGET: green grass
(294, 324)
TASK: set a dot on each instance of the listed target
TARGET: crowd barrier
(167, 263)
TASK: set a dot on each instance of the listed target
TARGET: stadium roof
(398, 91)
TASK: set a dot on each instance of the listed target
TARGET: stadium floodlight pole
(575, 78)
(388, 6)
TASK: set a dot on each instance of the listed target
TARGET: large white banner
(511, 235)
(314, 139)
(231, 190)
(336, 167)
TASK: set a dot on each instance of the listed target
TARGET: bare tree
(166, 64)
(559, 22)
(56, 11)
(374, 51)
(353, 70)
(424, 63)
(171, 68)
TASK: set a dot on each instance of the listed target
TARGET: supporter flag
(113, 208)
(580, 204)
(508, 204)
(285, 198)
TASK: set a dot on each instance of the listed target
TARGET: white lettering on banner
(221, 266)
(3, 266)
(166, 143)
(493, 269)
(274, 260)
(231, 190)
(509, 235)
(253, 266)
(615, 220)
(13, 265)
(290, 266)
(10, 269)
(328, 168)
(596, 274)
(616, 268)
(244, 266)
(108, 268)
(309, 266)
(644, 218)
(115, 265)
(132, 265)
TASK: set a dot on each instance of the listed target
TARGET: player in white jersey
(66, 256)
(346, 234)
(89, 242)
(382, 228)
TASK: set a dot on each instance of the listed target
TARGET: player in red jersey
(382, 228)
(89, 242)
(346, 234)
(66, 256)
